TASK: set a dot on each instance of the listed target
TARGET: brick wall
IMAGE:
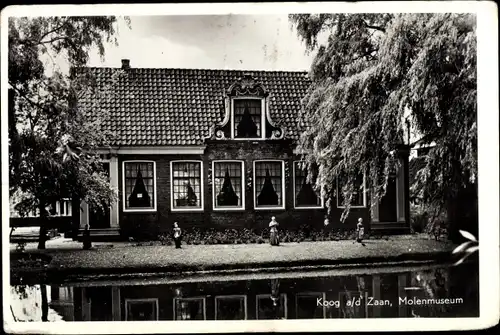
(153, 223)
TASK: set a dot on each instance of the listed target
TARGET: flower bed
(197, 236)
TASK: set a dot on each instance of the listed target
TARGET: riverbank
(64, 259)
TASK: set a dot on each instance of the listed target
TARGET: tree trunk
(43, 226)
(45, 303)
(462, 212)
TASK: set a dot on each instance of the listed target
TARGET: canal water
(370, 293)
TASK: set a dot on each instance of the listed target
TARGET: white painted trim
(364, 192)
(243, 188)
(261, 296)
(204, 299)
(124, 195)
(154, 150)
(310, 294)
(131, 301)
(283, 195)
(295, 197)
(202, 189)
(114, 180)
(116, 310)
(222, 297)
(262, 118)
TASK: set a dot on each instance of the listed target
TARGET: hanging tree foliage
(371, 76)
(52, 138)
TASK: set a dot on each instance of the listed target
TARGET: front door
(388, 204)
(100, 218)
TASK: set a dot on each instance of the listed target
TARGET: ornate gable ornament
(245, 86)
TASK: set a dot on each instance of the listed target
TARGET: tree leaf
(461, 247)
(473, 249)
(461, 260)
(468, 235)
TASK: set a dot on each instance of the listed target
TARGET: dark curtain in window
(139, 196)
(268, 195)
(227, 196)
(305, 195)
(192, 199)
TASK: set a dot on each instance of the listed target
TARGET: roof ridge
(198, 69)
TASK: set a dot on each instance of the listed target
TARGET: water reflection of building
(235, 300)
(62, 301)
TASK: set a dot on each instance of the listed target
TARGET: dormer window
(247, 113)
(248, 121)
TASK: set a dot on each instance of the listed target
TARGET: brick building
(216, 148)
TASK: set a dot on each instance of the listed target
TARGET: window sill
(229, 209)
(312, 207)
(269, 208)
(139, 210)
(353, 206)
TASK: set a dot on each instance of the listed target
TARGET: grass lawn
(127, 256)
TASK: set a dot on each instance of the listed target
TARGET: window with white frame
(269, 184)
(189, 308)
(306, 306)
(271, 307)
(187, 185)
(358, 194)
(141, 309)
(247, 118)
(231, 307)
(139, 190)
(228, 185)
(306, 196)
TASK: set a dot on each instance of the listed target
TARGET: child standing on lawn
(177, 235)
(273, 232)
(360, 231)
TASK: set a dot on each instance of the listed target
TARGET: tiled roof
(178, 106)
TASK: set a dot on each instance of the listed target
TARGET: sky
(253, 42)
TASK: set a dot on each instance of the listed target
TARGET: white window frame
(364, 193)
(67, 205)
(262, 118)
(131, 301)
(202, 187)
(204, 299)
(263, 296)
(243, 188)
(309, 294)
(227, 297)
(283, 180)
(295, 196)
(124, 195)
